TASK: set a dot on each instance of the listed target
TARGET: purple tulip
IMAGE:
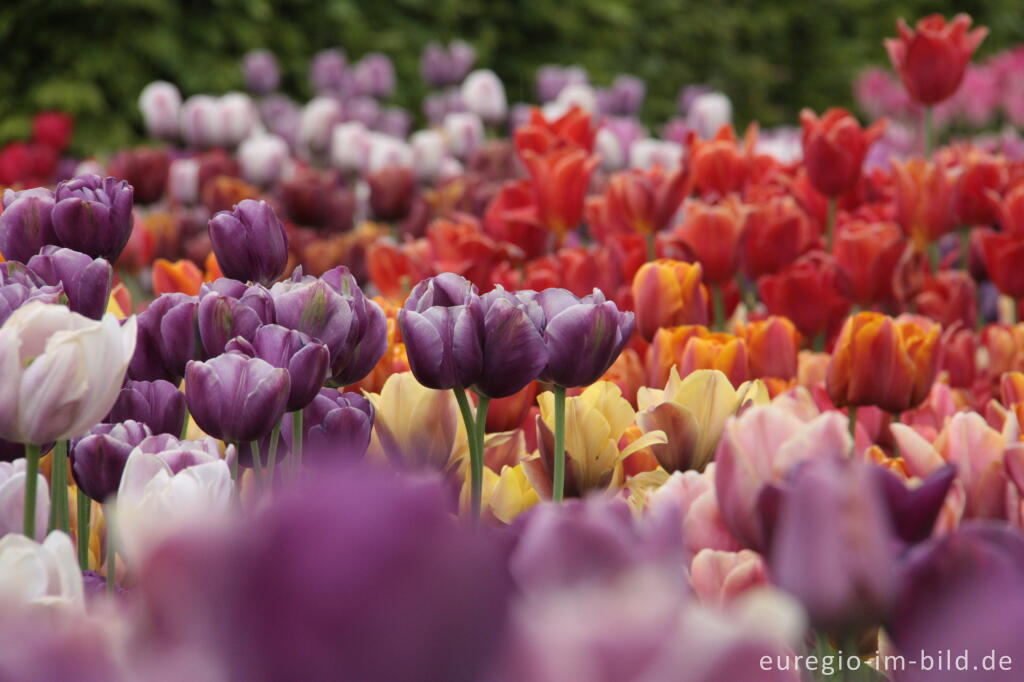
(835, 548)
(86, 281)
(333, 310)
(442, 326)
(307, 361)
(514, 352)
(234, 397)
(26, 224)
(628, 92)
(583, 336)
(157, 404)
(222, 317)
(394, 121)
(461, 56)
(328, 71)
(374, 76)
(435, 65)
(94, 215)
(354, 575)
(336, 427)
(18, 286)
(168, 338)
(98, 458)
(913, 511)
(552, 79)
(250, 242)
(259, 69)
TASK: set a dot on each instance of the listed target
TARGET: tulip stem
(60, 514)
(652, 246)
(853, 428)
(558, 481)
(111, 552)
(928, 132)
(475, 487)
(275, 434)
(31, 487)
(830, 223)
(257, 474)
(84, 512)
(297, 438)
(718, 300)
(184, 426)
(234, 465)
(934, 257)
(482, 404)
(965, 248)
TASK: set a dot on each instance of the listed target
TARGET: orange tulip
(724, 352)
(889, 363)
(1011, 388)
(212, 268)
(773, 345)
(711, 234)
(668, 293)
(666, 350)
(560, 181)
(719, 165)
(923, 200)
(181, 276)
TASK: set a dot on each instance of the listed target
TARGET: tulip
(949, 297)
(319, 117)
(26, 225)
(236, 398)
(980, 176)
(646, 201)
(932, 57)
(41, 574)
(1001, 252)
(773, 345)
(260, 72)
(648, 153)
(691, 413)
(774, 234)
(464, 132)
(306, 361)
(374, 75)
(514, 352)
(183, 181)
(202, 122)
(923, 200)
(720, 577)
(52, 129)
(85, 281)
(337, 426)
(834, 148)
(833, 518)
(250, 242)
(327, 72)
(666, 350)
(560, 180)
(868, 254)
(12, 498)
(907, 347)
(914, 510)
(711, 234)
(168, 337)
(785, 293)
(157, 404)
(724, 352)
(160, 103)
(98, 458)
(18, 286)
(392, 190)
(484, 95)
(180, 454)
(93, 215)
(263, 159)
(428, 154)
(182, 276)
(222, 317)
(709, 113)
(719, 166)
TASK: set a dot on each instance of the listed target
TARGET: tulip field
(536, 391)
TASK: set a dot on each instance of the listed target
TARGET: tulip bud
(514, 352)
(98, 458)
(464, 131)
(168, 338)
(395, 121)
(374, 76)
(711, 234)
(427, 154)
(327, 71)
(202, 123)
(337, 426)
(708, 112)
(484, 95)
(250, 242)
(160, 104)
(94, 215)
(772, 347)
(221, 318)
(263, 159)
(26, 224)
(724, 352)
(318, 120)
(260, 72)
(648, 152)
(183, 181)
(834, 149)
(785, 293)
(392, 191)
(307, 361)
(388, 152)
(234, 397)
(158, 405)
(668, 293)
(238, 117)
(85, 281)
(350, 147)
(931, 58)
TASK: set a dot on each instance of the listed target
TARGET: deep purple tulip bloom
(234, 397)
(834, 548)
(86, 281)
(584, 336)
(260, 72)
(26, 224)
(514, 352)
(352, 575)
(223, 317)
(333, 310)
(336, 427)
(250, 242)
(327, 71)
(157, 404)
(94, 215)
(442, 326)
(307, 361)
(913, 511)
(98, 458)
(168, 337)
(18, 286)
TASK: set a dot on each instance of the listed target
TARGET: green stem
(275, 434)
(297, 439)
(558, 481)
(830, 223)
(652, 246)
(257, 474)
(184, 426)
(84, 512)
(31, 487)
(111, 552)
(965, 248)
(482, 404)
(60, 514)
(475, 485)
(853, 427)
(718, 300)
(234, 466)
(818, 342)
(934, 256)
(928, 132)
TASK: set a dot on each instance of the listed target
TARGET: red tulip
(1002, 254)
(720, 165)
(540, 136)
(834, 149)
(646, 200)
(949, 297)
(775, 233)
(808, 292)
(512, 217)
(1010, 210)
(931, 59)
(711, 234)
(923, 200)
(868, 254)
(980, 176)
(560, 181)
(52, 129)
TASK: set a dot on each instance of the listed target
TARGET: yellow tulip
(692, 412)
(505, 495)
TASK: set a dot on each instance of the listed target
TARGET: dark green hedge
(91, 57)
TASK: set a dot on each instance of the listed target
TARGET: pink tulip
(719, 577)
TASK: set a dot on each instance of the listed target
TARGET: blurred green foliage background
(92, 57)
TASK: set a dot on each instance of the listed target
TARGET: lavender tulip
(98, 458)
(250, 242)
(394, 121)
(336, 426)
(552, 79)
(628, 93)
(374, 76)
(260, 72)
(157, 404)
(85, 281)
(94, 215)
(234, 397)
(18, 286)
(834, 548)
(168, 337)
(222, 317)
(327, 72)
(913, 511)
(307, 361)
(181, 454)
(26, 224)
(514, 352)
(435, 65)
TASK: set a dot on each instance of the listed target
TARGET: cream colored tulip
(43, 574)
(60, 372)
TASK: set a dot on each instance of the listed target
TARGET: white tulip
(650, 152)
(387, 151)
(238, 117)
(708, 113)
(464, 131)
(202, 124)
(578, 95)
(60, 371)
(183, 181)
(160, 104)
(12, 499)
(428, 153)
(609, 148)
(44, 574)
(262, 158)
(350, 147)
(316, 123)
(484, 95)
